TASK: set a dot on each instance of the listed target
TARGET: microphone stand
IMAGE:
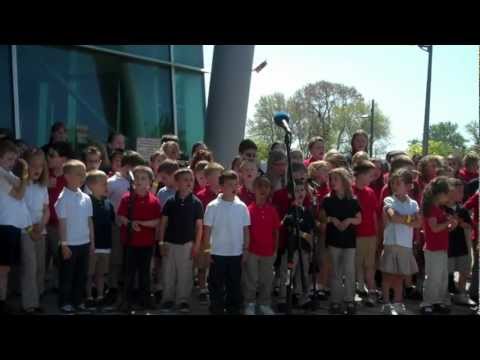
(290, 251)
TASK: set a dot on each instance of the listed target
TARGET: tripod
(296, 233)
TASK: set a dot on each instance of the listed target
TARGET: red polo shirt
(467, 176)
(472, 204)
(246, 195)
(435, 241)
(369, 205)
(206, 195)
(264, 221)
(53, 194)
(145, 208)
(196, 187)
(310, 160)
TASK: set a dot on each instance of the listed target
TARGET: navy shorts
(10, 245)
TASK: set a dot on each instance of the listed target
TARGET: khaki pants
(297, 277)
(177, 273)
(258, 271)
(32, 273)
(365, 256)
(435, 287)
(342, 280)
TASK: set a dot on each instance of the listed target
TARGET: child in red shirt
(318, 186)
(202, 262)
(367, 230)
(143, 214)
(470, 170)
(436, 225)
(248, 172)
(199, 175)
(262, 247)
(57, 155)
(316, 147)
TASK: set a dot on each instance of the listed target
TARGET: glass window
(6, 98)
(188, 55)
(160, 52)
(92, 93)
(190, 99)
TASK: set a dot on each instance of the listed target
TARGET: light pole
(426, 124)
(372, 119)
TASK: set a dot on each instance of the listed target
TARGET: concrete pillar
(228, 100)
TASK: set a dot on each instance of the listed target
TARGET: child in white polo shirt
(227, 222)
(74, 211)
(14, 215)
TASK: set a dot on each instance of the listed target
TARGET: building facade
(138, 90)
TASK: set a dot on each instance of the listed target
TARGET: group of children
(114, 230)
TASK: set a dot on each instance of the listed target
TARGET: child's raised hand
(66, 252)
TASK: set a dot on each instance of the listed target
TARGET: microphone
(282, 119)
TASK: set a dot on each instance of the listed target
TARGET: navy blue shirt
(103, 218)
(182, 215)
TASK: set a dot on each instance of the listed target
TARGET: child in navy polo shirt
(260, 256)
(180, 237)
(248, 172)
(103, 221)
(140, 210)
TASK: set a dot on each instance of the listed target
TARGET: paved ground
(49, 303)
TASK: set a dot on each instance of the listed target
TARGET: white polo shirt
(227, 220)
(117, 186)
(36, 197)
(76, 209)
(13, 212)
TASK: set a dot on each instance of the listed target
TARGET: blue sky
(395, 76)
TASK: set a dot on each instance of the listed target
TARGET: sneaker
(250, 309)
(388, 309)
(276, 291)
(67, 309)
(426, 310)
(463, 300)
(400, 309)
(282, 308)
(441, 309)
(167, 307)
(335, 309)
(158, 296)
(184, 308)
(266, 310)
(321, 295)
(351, 309)
(370, 301)
(362, 290)
(111, 297)
(91, 304)
(203, 297)
(82, 309)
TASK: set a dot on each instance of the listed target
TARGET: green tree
(434, 148)
(325, 109)
(447, 132)
(473, 131)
